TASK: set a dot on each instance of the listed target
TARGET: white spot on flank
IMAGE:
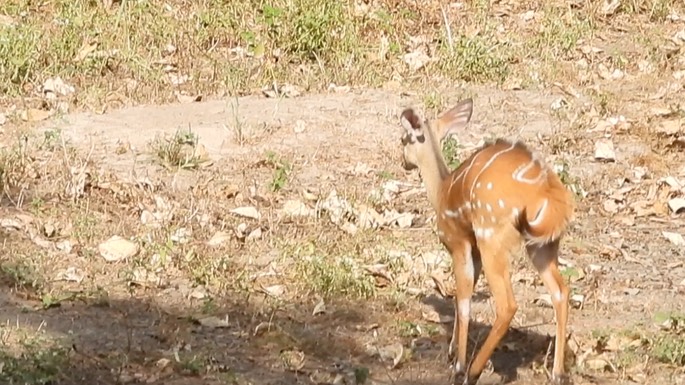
(538, 217)
(493, 219)
(478, 185)
(483, 233)
(489, 186)
(478, 204)
(501, 204)
(515, 212)
(451, 213)
(488, 207)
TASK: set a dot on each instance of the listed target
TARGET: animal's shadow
(528, 347)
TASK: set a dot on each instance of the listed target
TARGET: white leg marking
(489, 186)
(501, 203)
(464, 307)
(489, 162)
(468, 261)
(540, 215)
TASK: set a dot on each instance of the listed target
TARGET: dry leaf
(669, 127)
(676, 204)
(610, 206)
(214, 322)
(71, 274)
(296, 208)
(274, 290)
(86, 49)
(117, 248)
(34, 115)
(609, 7)
(431, 315)
(674, 238)
(416, 60)
(393, 352)
(219, 238)
(319, 308)
(293, 359)
(247, 211)
(300, 126)
(604, 150)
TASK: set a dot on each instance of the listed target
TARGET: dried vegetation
(253, 275)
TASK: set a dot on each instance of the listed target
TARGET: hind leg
(546, 260)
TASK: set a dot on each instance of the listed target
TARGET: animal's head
(421, 138)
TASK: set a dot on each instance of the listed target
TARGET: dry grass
(304, 284)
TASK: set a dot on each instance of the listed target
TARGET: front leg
(465, 268)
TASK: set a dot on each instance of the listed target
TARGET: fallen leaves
(604, 150)
(117, 248)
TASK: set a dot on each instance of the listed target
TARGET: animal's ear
(410, 121)
(455, 119)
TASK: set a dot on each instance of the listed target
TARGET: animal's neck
(433, 171)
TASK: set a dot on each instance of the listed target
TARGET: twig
(448, 29)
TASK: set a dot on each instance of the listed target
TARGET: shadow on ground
(241, 340)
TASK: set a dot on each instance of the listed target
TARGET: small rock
(117, 248)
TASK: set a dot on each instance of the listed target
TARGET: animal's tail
(547, 219)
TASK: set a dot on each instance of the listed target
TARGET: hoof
(561, 379)
(459, 379)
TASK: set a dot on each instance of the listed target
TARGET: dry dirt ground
(273, 237)
(250, 309)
